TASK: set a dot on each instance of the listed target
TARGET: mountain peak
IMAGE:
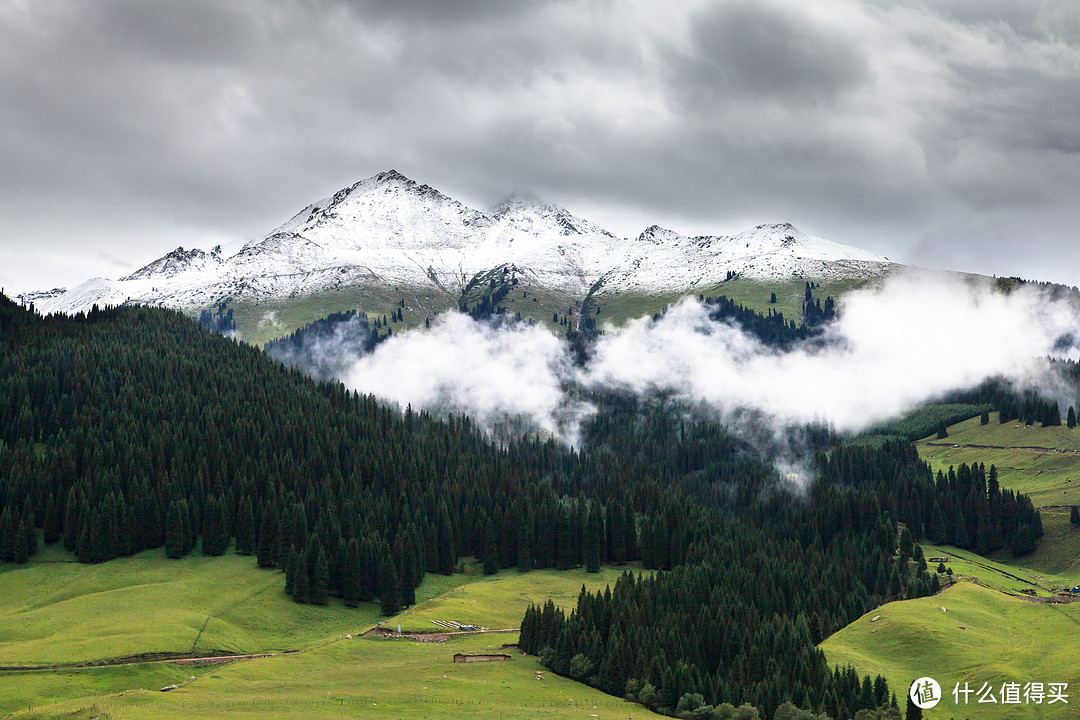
(176, 262)
(392, 175)
(530, 213)
(659, 235)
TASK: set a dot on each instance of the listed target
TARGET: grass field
(618, 308)
(1041, 462)
(65, 612)
(496, 601)
(1005, 637)
(54, 611)
(983, 637)
(258, 323)
(1005, 576)
(369, 678)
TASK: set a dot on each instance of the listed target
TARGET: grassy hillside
(1006, 637)
(259, 322)
(57, 611)
(63, 612)
(363, 677)
(1041, 462)
(983, 636)
(617, 308)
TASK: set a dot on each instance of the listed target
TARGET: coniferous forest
(131, 428)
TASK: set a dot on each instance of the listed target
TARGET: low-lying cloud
(506, 377)
(901, 343)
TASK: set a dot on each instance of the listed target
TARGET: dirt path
(137, 660)
(189, 659)
(425, 636)
(1031, 448)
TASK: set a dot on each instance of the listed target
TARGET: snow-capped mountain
(390, 234)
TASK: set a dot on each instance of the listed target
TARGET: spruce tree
(389, 586)
(1074, 516)
(245, 528)
(351, 582)
(52, 521)
(174, 532)
(1070, 421)
(524, 557)
(913, 712)
(300, 584)
(267, 537)
(320, 580)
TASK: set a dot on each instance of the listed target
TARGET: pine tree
(320, 580)
(913, 712)
(524, 557)
(245, 528)
(268, 537)
(290, 570)
(491, 550)
(52, 521)
(214, 535)
(29, 539)
(1071, 419)
(351, 587)
(174, 532)
(1074, 516)
(593, 540)
(300, 584)
(389, 586)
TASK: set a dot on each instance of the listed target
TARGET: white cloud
(896, 346)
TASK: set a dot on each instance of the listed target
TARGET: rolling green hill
(1041, 462)
(52, 611)
(1006, 636)
(983, 636)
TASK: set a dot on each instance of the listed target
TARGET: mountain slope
(389, 242)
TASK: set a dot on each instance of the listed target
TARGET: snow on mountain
(664, 259)
(390, 232)
(176, 262)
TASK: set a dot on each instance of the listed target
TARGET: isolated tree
(1074, 516)
(1071, 420)
(942, 432)
(772, 298)
(984, 419)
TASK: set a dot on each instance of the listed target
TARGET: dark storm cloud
(943, 129)
(753, 50)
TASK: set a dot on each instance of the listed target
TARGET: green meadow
(59, 613)
(981, 636)
(989, 631)
(1041, 462)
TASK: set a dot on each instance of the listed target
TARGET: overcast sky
(942, 133)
